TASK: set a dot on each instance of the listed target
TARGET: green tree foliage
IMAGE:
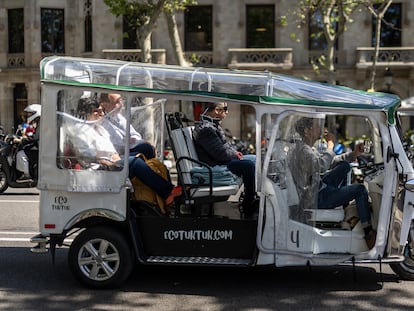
(143, 14)
(334, 15)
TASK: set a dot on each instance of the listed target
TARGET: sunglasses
(98, 110)
(225, 108)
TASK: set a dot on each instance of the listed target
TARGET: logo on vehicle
(198, 235)
(61, 199)
(60, 203)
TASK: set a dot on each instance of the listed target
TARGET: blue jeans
(245, 169)
(145, 148)
(337, 193)
(251, 157)
(140, 169)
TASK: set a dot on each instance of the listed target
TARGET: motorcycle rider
(29, 144)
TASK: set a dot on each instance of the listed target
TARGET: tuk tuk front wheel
(405, 269)
(4, 183)
(100, 257)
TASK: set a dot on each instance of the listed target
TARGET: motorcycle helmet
(34, 111)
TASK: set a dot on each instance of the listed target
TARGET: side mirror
(409, 185)
(391, 154)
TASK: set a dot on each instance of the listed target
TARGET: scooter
(244, 146)
(8, 172)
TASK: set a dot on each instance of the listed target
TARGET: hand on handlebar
(330, 140)
(358, 150)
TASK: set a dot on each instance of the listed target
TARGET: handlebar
(10, 138)
(367, 166)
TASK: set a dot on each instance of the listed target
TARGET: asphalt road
(32, 282)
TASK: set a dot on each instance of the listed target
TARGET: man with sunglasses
(213, 149)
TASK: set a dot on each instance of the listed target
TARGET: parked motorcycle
(8, 172)
(2, 133)
(408, 144)
(244, 146)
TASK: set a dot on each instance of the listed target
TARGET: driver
(324, 174)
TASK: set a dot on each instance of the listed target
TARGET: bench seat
(187, 159)
(188, 165)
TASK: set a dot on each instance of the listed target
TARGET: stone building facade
(230, 35)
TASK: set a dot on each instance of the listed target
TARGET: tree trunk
(175, 39)
(379, 15)
(330, 59)
(331, 62)
(330, 41)
(376, 52)
(144, 42)
(144, 32)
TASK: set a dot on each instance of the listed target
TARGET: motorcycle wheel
(100, 257)
(405, 269)
(4, 183)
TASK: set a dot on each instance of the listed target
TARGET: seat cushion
(326, 215)
(218, 191)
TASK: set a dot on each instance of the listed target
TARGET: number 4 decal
(294, 239)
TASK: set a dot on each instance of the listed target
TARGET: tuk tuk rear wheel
(100, 257)
(405, 269)
(4, 183)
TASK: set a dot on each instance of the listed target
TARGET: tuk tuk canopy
(249, 86)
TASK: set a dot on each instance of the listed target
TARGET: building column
(3, 38)
(6, 106)
(32, 29)
(33, 92)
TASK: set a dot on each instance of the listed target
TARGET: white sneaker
(24, 178)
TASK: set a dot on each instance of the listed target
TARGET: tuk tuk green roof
(251, 86)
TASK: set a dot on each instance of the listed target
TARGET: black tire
(4, 183)
(100, 257)
(405, 269)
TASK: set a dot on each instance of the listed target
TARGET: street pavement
(33, 282)
(19, 215)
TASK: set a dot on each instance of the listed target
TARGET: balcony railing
(395, 57)
(15, 60)
(134, 55)
(266, 59)
(199, 58)
(320, 57)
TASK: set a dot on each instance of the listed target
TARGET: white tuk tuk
(112, 231)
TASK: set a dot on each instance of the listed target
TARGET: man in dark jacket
(213, 149)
